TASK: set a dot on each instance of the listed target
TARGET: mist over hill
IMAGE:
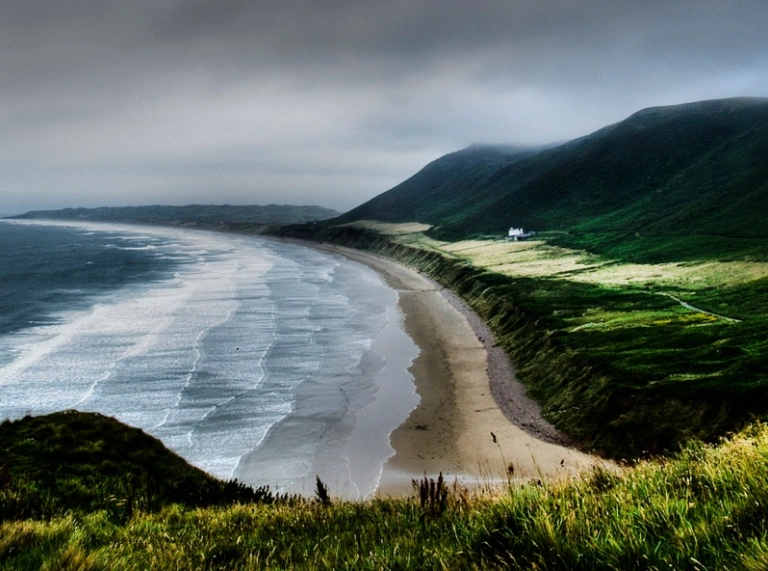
(667, 183)
(693, 169)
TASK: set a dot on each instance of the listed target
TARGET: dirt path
(687, 305)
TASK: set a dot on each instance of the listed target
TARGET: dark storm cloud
(332, 102)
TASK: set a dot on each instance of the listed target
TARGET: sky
(331, 102)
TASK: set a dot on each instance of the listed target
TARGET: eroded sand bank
(459, 428)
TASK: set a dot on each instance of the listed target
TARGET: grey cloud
(336, 99)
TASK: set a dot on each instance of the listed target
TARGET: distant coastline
(224, 217)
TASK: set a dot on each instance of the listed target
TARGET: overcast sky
(331, 102)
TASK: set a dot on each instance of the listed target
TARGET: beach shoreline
(474, 423)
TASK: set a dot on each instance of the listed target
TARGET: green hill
(82, 462)
(705, 508)
(446, 191)
(627, 358)
(693, 170)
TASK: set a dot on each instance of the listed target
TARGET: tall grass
(72, 462)
(706, 508)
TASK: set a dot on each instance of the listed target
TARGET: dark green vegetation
(445, 192)
(218, 217)
(72, 462)
(666, 184)
(707, 508)
(623, 369)
(645, 386)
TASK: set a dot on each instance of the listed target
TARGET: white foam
(254, 353)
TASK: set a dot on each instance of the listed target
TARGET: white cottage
(519, 234)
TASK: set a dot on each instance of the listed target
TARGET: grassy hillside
(72, 462)
(638, 317)
(627, 359)
(707, 508)
(692, 174)
(446, 191)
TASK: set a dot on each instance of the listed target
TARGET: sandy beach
(474, 422)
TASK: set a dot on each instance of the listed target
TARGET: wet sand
(474, 422)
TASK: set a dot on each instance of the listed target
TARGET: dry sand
(474, 422)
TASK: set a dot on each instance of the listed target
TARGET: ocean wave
(253, 359)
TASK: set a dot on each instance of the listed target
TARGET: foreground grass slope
(71, 462)
(706, 508)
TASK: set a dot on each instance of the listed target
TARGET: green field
(637, 318)
(705, 508)
(662, 185)
(627, 358)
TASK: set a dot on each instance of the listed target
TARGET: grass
(627, 358)
(71, 462)
(663, 185)
(704, 508)
(617, 363)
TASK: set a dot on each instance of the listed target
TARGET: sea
(254, 359)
